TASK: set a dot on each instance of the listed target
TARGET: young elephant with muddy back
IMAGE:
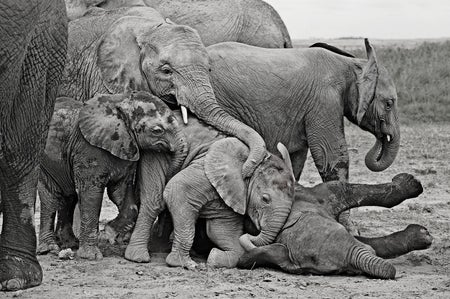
(95, 146)
(312, 241)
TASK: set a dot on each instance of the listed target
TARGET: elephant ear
(367, 82)
(223, 168)
(119, 51)
(104, 125)
(286, 158)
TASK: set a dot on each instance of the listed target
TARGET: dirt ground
(425, 152)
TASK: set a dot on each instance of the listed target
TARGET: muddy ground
(425, 152)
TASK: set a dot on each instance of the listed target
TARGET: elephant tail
(362, 259)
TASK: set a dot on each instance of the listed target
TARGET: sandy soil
(425, 274)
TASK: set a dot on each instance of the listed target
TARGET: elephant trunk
(198, 96)
(180, 154)
(271, 228)
(362, 259)
(383, 153)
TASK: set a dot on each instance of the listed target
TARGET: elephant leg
(225, 232)
(49, 205)
(151, 178)
(64, 224)
(185, 194)
(32, 51)
(119, 229)
(90, 205)
(413, 237)
(272, 255)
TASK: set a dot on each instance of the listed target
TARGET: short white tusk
(388, 138)
(184, 113)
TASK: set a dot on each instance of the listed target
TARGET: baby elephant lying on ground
(312, 241)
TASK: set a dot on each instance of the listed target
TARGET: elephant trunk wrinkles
(362, 259)
(383, 153)
(274, 224)
(181, 152)
(206, 108)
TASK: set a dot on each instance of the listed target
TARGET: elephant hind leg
(64, 224)
(49, 205)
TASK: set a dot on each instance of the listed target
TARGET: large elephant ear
(223, 168)
(367, 82)
(105, 126)
(118, 54)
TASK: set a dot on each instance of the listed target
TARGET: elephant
(135, 48)
(300, 97)
(252, 22)
(33, 44)
(313, 242)
(210, 185)
(95, 146)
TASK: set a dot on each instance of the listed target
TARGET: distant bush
(422, 78)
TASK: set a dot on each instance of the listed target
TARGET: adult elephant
(252, 22)
(135, 48)
(33, 37)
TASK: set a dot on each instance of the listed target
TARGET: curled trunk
(362, 259)
(273, 226)
(198, 96)
(384, 151)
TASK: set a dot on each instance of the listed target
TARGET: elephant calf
(95, 146)
(211, 186)
(312, 241)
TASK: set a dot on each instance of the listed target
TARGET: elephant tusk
(388, 137)
(184, 113)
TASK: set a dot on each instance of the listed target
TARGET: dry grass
(421, 72)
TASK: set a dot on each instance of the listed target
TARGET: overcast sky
(365, 18)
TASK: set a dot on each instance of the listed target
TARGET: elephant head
(266, 196)
(171, 62)
(125, 124)
(377, 112)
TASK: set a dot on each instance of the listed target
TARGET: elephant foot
(222, 259)
(176, 259)
(138, 254)
(408, 185)
(89, 252)
(48, 247)
(418, 237)
(17, 273)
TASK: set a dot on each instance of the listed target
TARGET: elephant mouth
(170, 100)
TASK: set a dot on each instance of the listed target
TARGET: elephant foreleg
(90, 205)
(225, 232)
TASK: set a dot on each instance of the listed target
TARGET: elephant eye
(266, 198)
(157, 130)
(389, 104)
(166, 69)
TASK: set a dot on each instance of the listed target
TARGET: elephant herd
(170, 105)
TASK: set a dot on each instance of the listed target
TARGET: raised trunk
(199, 97)
(383, 153)
(273, 226)
(362, 259)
